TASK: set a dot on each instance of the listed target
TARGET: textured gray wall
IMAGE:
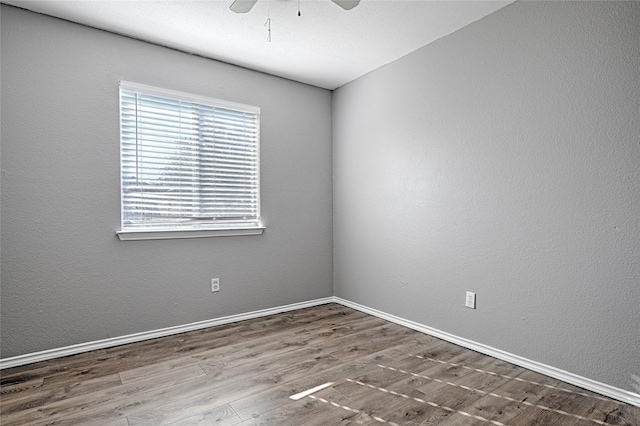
(502, 159)
(66, 278)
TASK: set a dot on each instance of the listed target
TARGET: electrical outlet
(470, 301)
(215, 285)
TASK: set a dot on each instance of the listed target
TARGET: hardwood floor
(244, 374)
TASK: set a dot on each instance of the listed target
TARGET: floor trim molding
(30, 358)
(556, 373)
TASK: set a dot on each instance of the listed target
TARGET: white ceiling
(326, 46)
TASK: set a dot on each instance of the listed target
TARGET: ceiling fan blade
(242, 6)
(345, 4)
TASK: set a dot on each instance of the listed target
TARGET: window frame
(207, 229)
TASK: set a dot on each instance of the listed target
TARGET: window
(189, 165)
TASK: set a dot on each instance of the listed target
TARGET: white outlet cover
(470, 301)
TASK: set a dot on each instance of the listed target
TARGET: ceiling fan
(244, 6)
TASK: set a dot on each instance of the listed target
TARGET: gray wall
(503, 159)
(66, 278)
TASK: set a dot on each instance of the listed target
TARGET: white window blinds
(187, 161)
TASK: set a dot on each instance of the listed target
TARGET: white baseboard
(574, 379)
(146, 335)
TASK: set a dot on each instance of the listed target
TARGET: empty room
(320, 212)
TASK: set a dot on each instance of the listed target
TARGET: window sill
(171, 234)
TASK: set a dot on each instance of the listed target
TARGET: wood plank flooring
(245, 373)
